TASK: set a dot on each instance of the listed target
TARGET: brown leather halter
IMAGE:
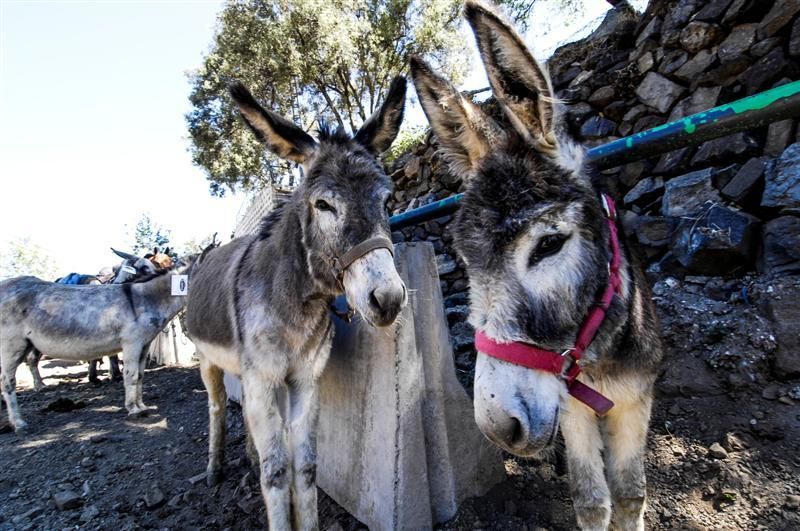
(340, 264)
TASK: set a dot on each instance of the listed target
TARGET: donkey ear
(280, 135)
(380, 129)
(520, 84)
(464, 131)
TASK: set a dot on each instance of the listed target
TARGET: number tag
(180, 284)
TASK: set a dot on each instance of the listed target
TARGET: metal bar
(748, 113)
(754, 111)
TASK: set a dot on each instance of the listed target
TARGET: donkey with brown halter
(565, 328)
(259, 305)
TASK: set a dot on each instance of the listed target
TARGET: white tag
(180, 284)
(129, 269)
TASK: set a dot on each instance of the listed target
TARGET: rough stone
(646, 63)
(435, 457)
(739, 40)
(574, 94)
(677, 17)
(602, 96)
(717, 242)
(696, 65)
(154, 498)
(90, 513)
(702, 99)
(67, 499)
(738, 10)
(615, 110)
(446, 264)
(597, 127)
(647, 122)
(655, 231)
(725, 148)
(782, 183)
(645, 191)
(674, 160)
(635, 112)
(652, 29)
(698, 35)
(725, 74)
(778, 17)
(784, 312)
(781, 246)
(764, 72)
(747, 182)
(794, 40)
(713, 10)
(778, 137)
(717, 451)
(673, 60)
(577, 113)
(632, 172)
(686, 195)
(763, 47)
(659, 92)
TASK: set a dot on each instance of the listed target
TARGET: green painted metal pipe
(754, 111)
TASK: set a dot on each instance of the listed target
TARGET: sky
(92, 132)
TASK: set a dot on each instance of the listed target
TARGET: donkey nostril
(516, 431)
(374, 300)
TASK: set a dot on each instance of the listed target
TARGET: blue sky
(92, 134)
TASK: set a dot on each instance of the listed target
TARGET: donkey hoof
(137, 413)
(20, 426)
(214, 477)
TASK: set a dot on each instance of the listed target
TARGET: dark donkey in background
(562, 313)
(259, 306)
(83, 322)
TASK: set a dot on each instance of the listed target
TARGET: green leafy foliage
(308, 60)
(23, 257)
(148, 234)
(406, 140)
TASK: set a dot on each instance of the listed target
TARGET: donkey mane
(329, 134)
(269, 221)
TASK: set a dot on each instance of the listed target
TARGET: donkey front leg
(134, 355)
(625, 431)
(304, 404)
(212, 378)
(263, 416)
(11, 355)
(590, 494)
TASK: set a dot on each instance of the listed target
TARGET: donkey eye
(547, 246)
(324, 205)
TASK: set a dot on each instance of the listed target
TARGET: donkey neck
(156, 294)
(298, 283)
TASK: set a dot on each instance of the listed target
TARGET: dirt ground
(724, 448)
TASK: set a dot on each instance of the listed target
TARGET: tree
(23, 257)
(310, 60)
(148, 234)
(307, 59)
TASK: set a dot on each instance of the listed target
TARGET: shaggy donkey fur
(535, 239)
(259, 305)
(83, 322)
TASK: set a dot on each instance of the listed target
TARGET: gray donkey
(133, 267)
(83, 322)
(259, 306)
(562, 312)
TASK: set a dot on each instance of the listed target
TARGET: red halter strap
(566, 364)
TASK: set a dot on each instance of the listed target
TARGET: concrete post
(397, 444)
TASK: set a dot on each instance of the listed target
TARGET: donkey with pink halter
(566, 331)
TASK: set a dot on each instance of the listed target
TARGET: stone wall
(725, 207)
